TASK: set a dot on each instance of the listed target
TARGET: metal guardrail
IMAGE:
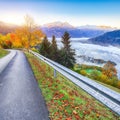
(105, 95)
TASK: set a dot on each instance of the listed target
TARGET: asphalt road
(20, 96)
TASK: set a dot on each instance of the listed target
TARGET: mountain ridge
(58, 29)
(109, 38)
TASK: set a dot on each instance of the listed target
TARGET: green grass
(90, 71)
(66, 101)
(3, 53)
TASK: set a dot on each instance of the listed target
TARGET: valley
(95, 52)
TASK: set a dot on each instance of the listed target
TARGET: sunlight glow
(16, 19)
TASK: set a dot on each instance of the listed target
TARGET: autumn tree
(109, 69)
(29, 27)
(1, 40)
(29, 34)
(5, 41)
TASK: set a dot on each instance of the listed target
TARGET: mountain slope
(109, 38)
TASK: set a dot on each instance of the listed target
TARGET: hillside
(6, 27)
(109, 38)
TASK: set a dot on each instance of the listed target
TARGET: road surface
(20, 96)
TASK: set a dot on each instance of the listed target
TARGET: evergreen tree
(54, 49)
(67, 54)
(45, 48)
(54, 44)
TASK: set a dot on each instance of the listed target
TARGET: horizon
(84, 25)
(75, 12)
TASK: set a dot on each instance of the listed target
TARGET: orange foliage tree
(26, 36)
(109, 69)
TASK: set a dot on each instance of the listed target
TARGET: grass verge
(66, 101)
(3, 53)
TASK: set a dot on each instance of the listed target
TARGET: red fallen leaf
(84, 112)
(61, 95)
(66, 104)
(74, 112)
(69, 118)
(56, 113)
(76, 107)
(88, 112)
(60, 117)
(98, 115)
(60, 108)
(77, 117)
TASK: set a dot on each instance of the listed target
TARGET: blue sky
(76, 12)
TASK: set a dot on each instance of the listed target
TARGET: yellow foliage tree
(29, 34)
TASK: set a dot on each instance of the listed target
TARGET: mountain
(6, 27)
(59, 24)
(109, 38)
(96, 27)
(58, 29)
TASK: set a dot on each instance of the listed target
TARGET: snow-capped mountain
(59, 24)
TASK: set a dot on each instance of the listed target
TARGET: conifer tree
(45, 48)
(54, 49)
(67, 54)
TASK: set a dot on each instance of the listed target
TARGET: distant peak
(58, 24)
(106, 27)
(102, 27)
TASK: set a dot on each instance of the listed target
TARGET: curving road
(20, 96)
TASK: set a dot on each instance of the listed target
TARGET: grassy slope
(66, 101)
(3, 53)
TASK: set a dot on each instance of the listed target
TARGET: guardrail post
(55, 73)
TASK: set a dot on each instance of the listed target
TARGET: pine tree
(67, 54)
(45, 48)
(54, 44)
(54, 49)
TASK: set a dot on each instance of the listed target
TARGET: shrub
(83, 72)
(118, 84)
